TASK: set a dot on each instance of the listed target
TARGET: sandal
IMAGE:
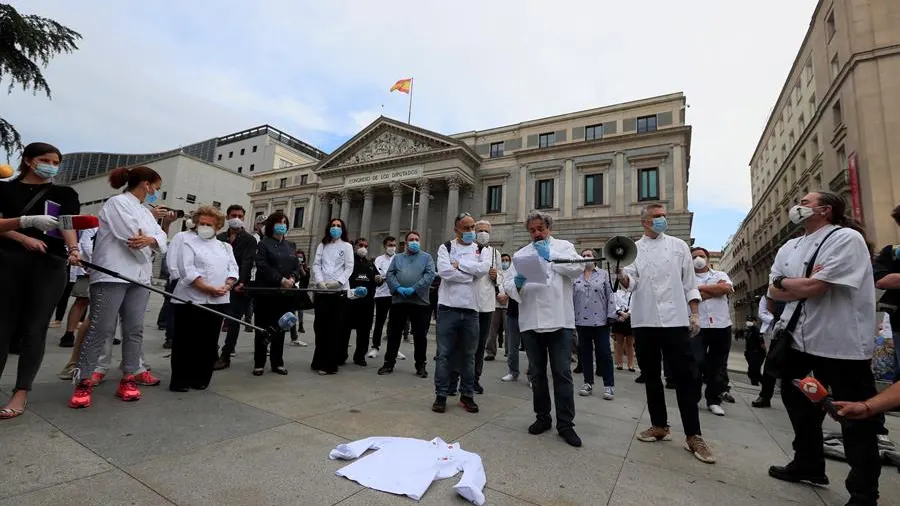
(10, 413)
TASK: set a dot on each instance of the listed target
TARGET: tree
(28, 43)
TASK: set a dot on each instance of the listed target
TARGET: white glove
(694, 325)
(42, 222)
(320, 285)
(332, 285)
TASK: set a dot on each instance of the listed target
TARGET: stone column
(366, 226)
(453, 184)
(324, 209)
(396, 208)
(268, 208)
(345, 205)
(335, 207)
(424, 192)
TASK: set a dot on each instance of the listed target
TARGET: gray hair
(483, 222)
(537, 215)
(645, 211)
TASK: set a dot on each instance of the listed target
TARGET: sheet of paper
(534, 268)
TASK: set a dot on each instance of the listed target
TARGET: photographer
(887, 278)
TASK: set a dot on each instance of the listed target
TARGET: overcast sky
(151, 76)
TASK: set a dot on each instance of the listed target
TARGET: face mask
(468, 237)
(482, 238)
(335, 232)
(749, 324)
(505, 265)
(301, 259)
(362, 251)
(659, 225)
(206, 232)
(46, 170)
(235, 223)
(280, 229)
(150, 198)
(699, 263)
(413, 246)
(391, 251)
(799, 214)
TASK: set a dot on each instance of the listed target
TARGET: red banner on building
(853, 170)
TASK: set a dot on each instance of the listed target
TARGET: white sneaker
(299, 343)
(609, 393)
(716, 410)
(509, 377)
(586, 389)
(401, 356)
(373, 353)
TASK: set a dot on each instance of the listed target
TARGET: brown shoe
(697, 446)
(654, 434)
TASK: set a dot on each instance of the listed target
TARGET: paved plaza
(265, 441)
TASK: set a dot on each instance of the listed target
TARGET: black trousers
(33, 283)
(849, 380)
(194, 345)
(163, 319)
(266, 312)
(382, 309)
(236, 308)
(330, 319)
(359, 319)
(711, 348)
(672, 344)
(419, 317)
(63, 303)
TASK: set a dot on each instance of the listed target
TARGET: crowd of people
(668, 310)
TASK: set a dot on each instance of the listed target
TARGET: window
(814, 143)
(835, 67)
(784, 151)
(242, 151)
(231, 154)
(299, 213)
(217, 204)
(220, 156)
(818, 181)
(791, 139)
(593, 132)
(842, 158)
(264, 186)
(802, 121)
(830, 28)
(240, 169)
(646, 124)
(252, 166)
(779, 127)
(543, 194)
(547, 140)
(495, 199)
(648, 184)
(190, 199)
(164, 195)
(304, 179)
(254, 149)
(808, 69)
(593, 189)
(802, 161)
(837, 114)
(812, 105)
(282, 182)
(496, 149)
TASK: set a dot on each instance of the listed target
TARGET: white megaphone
(623, 251)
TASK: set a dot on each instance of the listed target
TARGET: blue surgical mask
(413, 246)
(468, 237)
(335, 232)
(279, 229)
(659, 225)
(150, 198)
(505, 265)
(46, 170)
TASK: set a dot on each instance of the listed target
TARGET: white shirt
(210, 259)
(86, 248)
(714, 312)
(334, 262)
(662, 282)
(458, 288)
(382, 263)
(407, 466)
(546, 307)
(487, 293)
(172, 257)
(764, 316)
(501, 277)
(841, 322)
(120, 219)
(623, 299)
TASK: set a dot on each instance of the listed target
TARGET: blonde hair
(211, 212)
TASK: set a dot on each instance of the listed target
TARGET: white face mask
(206, 232)
(482, 238)
(749, 324)
(699, 263)
(588, 266)
(362, 251)
(390, 250)
(798, 214)
(235, 223)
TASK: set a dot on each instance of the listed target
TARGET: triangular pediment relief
(387, 144)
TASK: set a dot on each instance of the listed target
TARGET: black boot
(224, 362)
(792, 473)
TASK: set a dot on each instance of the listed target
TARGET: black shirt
(15, 195)
(363, 275)
(275, 260)
(244, 248)
(886, 264)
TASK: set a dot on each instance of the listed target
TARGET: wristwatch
(777, 282)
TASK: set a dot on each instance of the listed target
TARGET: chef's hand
(74, 257)
(853, 410)
(321, 285)
(694, 324)
(520, 280)
(287, 283)
(141, 241)
(492, 272)
(502, 298)
(42, 222)
(543, 249)
(32, 244)
(332, 285)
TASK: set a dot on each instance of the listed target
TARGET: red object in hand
(78, 222)
(812, 388)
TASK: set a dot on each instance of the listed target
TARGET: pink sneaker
(146, 379)
(127, 390)
(97, 378)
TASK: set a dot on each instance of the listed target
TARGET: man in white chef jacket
(664, 317)
(546, 323)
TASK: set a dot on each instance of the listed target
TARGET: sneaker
(539, 427)
(146, 379)
(82, 396)
(508, 378)
(67, 373)
(570, 437)
(421, 371)
(654, 434)
(361, 363)
(468, 404)
(386, 369)
(223, 362)
(586, 390)
(727, 397)
(67, 340)
(128, 390)
(792, 473)
(609, 393)
(761, 402)
(373, 353)
(440, 404)
(299, 343)
(401, 356)
(716, 410)
(97, 378)
(697, 446)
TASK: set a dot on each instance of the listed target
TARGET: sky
(151, 76)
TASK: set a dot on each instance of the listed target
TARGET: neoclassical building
(591, 170)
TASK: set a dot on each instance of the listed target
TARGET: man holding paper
(543, 290)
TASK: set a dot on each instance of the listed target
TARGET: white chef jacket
(210, 259)
(382, 263)
(550, 307)
(173, 263)
(764, 316)
(841, 322)
(458, 287)
(120, 219)
(487, 293)
(662, 282)
(623, 300)
(714, 312)
(407, 466)
(334, 262)
(86, 248)
(501, 276)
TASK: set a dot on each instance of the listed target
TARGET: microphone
(78, 222)
(6, 171)
(816, 392)
(287, 321)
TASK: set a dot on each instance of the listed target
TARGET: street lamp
(412, 206)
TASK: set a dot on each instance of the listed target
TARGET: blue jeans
(457, 341)
(555, 348)
(589, 339)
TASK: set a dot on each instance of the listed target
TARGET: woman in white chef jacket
(207, 273)
(125, 242)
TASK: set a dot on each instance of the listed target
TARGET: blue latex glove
(405, 291)
(360, 291)
(543, 249)
(520, 281)
(897, 252)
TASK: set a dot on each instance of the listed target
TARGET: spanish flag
(403, 86)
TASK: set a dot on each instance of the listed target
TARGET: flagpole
(409, 115)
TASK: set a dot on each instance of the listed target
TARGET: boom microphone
(816, 392)
(78, 222)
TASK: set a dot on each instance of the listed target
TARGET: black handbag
(780, 347)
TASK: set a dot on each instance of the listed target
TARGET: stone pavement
(265, 441)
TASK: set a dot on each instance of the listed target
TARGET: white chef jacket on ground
(487, 290)
(172, 256)
(841, 322)
(546, 307)
(407, 466)
(458, 287)
(765, 317)
(210, 259)
(662, 282)
(382, 263)
(86, 248)
(333, 262)
(120, 219)
(714, 312)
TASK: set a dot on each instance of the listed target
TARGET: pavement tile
(104, 489)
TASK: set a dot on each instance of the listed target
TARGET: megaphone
(623, 251)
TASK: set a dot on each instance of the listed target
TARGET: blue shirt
(594, 301)
(412, 271)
